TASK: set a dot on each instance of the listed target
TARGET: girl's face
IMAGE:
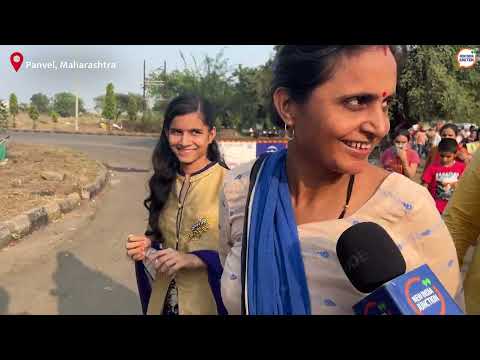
(344, 118)
(189, 138)
(448, 134)
(401, 142)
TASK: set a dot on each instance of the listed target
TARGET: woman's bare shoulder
(399, 185)
(376, 175)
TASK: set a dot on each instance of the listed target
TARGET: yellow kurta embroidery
(188, 226)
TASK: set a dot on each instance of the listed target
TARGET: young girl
(333, 102)
(400, 157)
(183, 216)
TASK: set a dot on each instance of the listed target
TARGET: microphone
(375, 266)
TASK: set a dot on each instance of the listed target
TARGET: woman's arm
(409, 170)
(233, 202)
(225, 243)
(410, 161)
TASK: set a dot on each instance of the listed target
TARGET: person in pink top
(400, 157)
(441, 178)
(421, 141)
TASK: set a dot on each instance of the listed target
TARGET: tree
(64, 104)
(121, 103)
(432, 86)
(13, 107)
(33, 114)
(245, 102)
(210, 79)
(54, 117)
(41, 102)
(3, 116)
(132, 108)
(109, 108)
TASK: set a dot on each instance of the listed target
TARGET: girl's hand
(402, 154)
(137, 246)
(170, 261)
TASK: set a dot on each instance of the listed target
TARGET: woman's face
(401, 142)
(189, 138)
(347, 116)
(448, 134)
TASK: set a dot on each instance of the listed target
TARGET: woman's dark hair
(166, 164)
(448, 145)
(302, 68)
(449, 126)
(402, 132)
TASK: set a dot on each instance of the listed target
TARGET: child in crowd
(441, 178)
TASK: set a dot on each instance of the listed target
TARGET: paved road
(78, 264)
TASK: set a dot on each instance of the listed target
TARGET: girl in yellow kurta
(183, 216)
(462, 217)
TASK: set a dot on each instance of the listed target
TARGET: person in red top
(421, 141)
(400, 157)
(441, 178)
(448, 131)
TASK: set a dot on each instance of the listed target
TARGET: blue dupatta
(275, 275)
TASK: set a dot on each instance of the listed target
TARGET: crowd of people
(445, 149)
(261, 238)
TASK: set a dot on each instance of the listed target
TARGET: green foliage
(41, 102)
(110, 104)
(13, 108)
(3, 117)
(64, 104)
(132, 108)
(13, 105)
(432, 86)
(34, 115)
(121, 101)
(240, 95)
(54, 117)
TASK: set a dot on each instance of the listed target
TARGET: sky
(89, 83)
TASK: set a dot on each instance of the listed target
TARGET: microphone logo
(424, 297)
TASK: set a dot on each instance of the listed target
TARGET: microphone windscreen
(369, 256)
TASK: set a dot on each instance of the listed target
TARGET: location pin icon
(16, 59)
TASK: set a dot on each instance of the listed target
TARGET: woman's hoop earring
(290, 138)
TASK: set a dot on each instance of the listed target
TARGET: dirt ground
(21, 185)
(87, 123)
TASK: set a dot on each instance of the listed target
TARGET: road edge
(149, 135)
(22, 225)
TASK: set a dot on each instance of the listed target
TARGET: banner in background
(270, 146)
(238, 152)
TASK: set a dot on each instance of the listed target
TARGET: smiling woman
(180, 246)
(333, 103)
